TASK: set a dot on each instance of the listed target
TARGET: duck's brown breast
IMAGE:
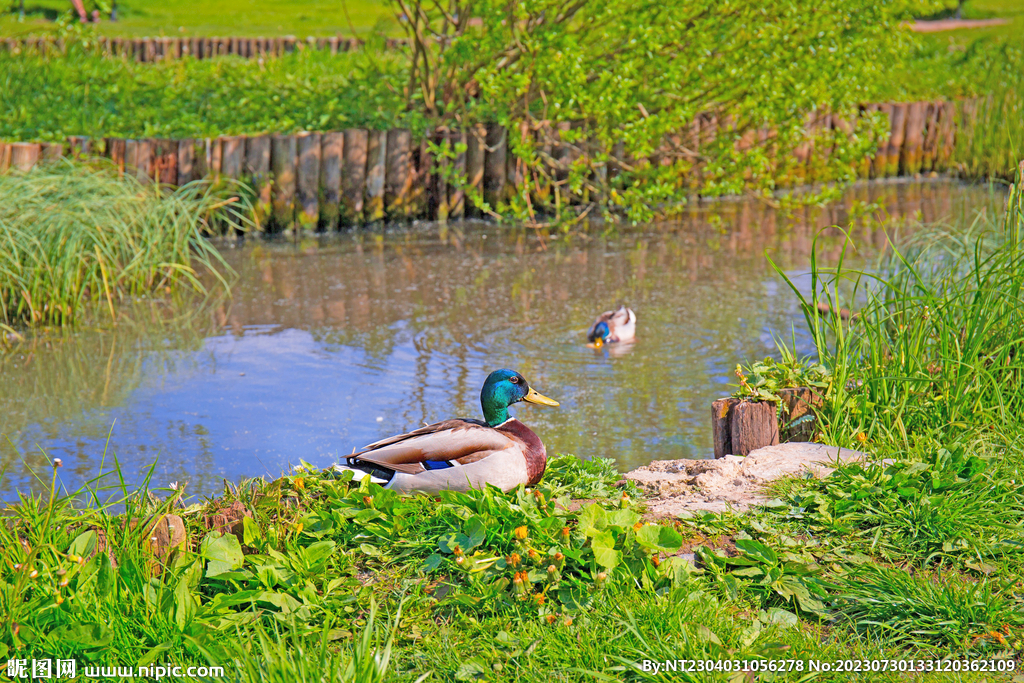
(535, 453)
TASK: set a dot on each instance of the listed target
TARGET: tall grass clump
(938, 342)
(74, 238)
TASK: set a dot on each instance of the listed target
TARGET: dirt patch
(953, 24)
(678, 488)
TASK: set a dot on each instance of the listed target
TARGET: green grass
(339, 582)
(76, 240)
(214, 18)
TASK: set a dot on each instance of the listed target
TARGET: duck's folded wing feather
(440, 442)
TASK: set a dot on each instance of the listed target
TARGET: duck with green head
(458, 454)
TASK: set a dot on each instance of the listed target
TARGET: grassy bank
(76, 239)
(312, 577)
(329, 581)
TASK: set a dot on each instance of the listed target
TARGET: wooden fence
(323, 180)
(155, 49)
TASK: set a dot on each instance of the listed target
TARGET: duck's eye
(514, 380)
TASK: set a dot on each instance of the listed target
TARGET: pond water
(328, 344)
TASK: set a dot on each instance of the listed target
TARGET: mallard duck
(457, 455)
(612, 327)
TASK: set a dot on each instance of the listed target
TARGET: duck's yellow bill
(598, 343)
(534, 397)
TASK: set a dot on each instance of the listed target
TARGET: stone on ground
(678, 488)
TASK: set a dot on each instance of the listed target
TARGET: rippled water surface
(326, 345)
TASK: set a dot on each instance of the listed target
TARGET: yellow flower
(522, 533)
(513, 560)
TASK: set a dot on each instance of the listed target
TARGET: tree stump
(721, 412)
(753, 425)
(739, 427)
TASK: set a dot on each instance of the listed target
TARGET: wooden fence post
(897, 135)
(931, 136)
(332, 151)
(51, 151)
(947, 136)
(353, 177)
(25, 155)
(495, 173)
(398, 174)
(878, 164)
(186, 161)
(116, 152)
(376, 158)
(165, 162)
(144, 160)
(257, 169)
(232, 154)
(282, 164)
(456, 194)
(476, 153)
(80, 146)
(5, 156)
(913, 142)
(308, 181)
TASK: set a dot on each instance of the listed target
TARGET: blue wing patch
(437, 464)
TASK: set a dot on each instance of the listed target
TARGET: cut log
(721, 416)
(753, 425)
(308, 181)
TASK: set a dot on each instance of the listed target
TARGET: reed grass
(938, 342)
(991, 136)
(76, 238)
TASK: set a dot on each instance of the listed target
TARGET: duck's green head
(502, 389)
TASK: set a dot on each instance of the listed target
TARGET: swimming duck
(457, 455)
(612, 327)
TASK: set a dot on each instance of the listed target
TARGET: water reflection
(330, 344)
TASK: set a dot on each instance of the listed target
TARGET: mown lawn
(214, 17)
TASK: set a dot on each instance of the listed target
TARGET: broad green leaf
(603, 547)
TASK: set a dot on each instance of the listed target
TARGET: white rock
(681, 487)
